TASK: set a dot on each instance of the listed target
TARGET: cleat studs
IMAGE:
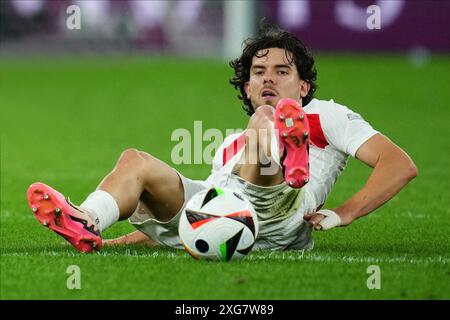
(58, 210)
(281, 117)
(306, 180)
(94, 245)
(45, 223)
(301, 117)
(46, 196)
(284, 135)
(34, 209)
(289, 122)
(291, 183)
(305, 134)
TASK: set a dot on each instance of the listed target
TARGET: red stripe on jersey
(233, 148)
(316, 132)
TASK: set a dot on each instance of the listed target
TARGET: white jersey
(335, 133)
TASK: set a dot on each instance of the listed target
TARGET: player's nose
(269, 77)
(269, 80)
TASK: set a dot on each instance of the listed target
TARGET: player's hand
(323, 220)
(314, 219)
(135, 237)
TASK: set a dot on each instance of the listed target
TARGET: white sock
(275, 147)
(102, 207)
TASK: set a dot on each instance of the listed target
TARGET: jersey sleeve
(344, 129)
(217, 162)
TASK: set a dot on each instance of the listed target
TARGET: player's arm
(392, 170)
(135, 237)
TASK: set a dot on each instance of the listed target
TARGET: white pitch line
(283, 256)
(350, 259)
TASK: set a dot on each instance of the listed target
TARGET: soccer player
(286, 163)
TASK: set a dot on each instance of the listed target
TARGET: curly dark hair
(272, 36)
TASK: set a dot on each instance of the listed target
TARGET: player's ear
(304, 88)
(247, 90)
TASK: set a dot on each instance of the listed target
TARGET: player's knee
(265, 110)
(262, 118)
(129, 154)
(132, 159)
(151, 171)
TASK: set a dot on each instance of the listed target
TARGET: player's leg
(258, 165)
(136, 176)
(140, 176)
(292, 130)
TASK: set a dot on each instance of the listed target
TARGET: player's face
(273, 77)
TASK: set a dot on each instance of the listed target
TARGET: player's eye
(282, 72)
(258, 72)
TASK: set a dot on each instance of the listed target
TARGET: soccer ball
(218, 224)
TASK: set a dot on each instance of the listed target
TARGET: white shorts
(280, 211)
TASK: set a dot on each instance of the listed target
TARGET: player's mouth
(268, 94)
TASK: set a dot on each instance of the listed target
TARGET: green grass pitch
(65, 121)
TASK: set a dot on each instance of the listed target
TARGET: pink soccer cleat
(55, 212)
(293, 131)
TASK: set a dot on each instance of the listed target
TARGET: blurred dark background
(211, 28)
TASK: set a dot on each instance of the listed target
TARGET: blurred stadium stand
(210, 28)
(191, 27)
